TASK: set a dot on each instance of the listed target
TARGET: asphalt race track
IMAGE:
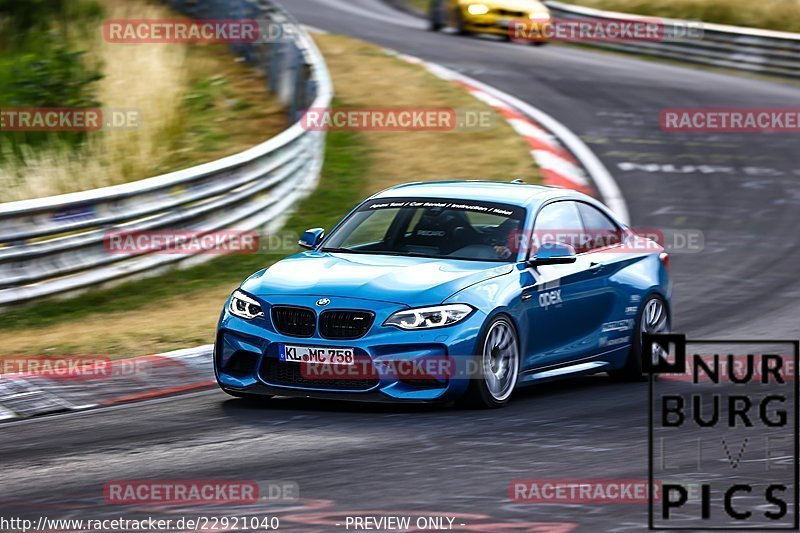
(742, 191)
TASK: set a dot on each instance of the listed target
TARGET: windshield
(425, 227)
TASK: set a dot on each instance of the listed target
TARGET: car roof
(519, 194)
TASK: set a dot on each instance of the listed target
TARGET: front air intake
(344, 325)
(294, 321)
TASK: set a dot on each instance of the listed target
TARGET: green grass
(194, 102)
(343, 184)
(782, 15)
(422, 5)
(201, 132)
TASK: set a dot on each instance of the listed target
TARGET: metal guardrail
(753, 50)
(49, 246)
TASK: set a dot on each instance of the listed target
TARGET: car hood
(404, 280)
(515, 5)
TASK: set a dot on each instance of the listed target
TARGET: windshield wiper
(342, 250)
(375, 252)
(392, 253)
(406, 254)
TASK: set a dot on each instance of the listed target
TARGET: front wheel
(497, 366)
(653, 318)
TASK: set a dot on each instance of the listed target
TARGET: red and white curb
(564, 160)
(119, 381)
(558, 167)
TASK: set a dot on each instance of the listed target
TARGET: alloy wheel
(500, 360)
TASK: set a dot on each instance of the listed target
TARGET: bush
(28, 14)
(57, 78)
(52, 76)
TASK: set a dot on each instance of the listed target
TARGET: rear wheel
(497, 365)
(653, 318)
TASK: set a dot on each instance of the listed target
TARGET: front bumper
(246, 357)
(495, 24)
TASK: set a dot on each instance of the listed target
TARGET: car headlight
(429, 317)
(243, 306)
(478, 9)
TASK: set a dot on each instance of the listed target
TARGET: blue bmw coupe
(447, 290)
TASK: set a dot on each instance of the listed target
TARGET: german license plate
(323, 355)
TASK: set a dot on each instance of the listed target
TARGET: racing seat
(438, 232)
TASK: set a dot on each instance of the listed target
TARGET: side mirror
(553, 253)
(311, 238)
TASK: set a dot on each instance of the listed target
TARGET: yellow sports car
(497, 17)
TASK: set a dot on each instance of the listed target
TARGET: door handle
(595, 267)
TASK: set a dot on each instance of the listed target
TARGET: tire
(649, 320)
(436, 15)
(435, 19)
(460, 26)
(496, 367)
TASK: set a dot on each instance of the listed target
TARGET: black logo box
(678, 342)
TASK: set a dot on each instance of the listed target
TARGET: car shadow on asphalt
(526, 399)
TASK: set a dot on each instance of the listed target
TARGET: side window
(558, 222)
(601, 231)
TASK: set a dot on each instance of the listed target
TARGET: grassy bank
(195, 103)
(180, 309)
(779, 15)
(421, 5)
